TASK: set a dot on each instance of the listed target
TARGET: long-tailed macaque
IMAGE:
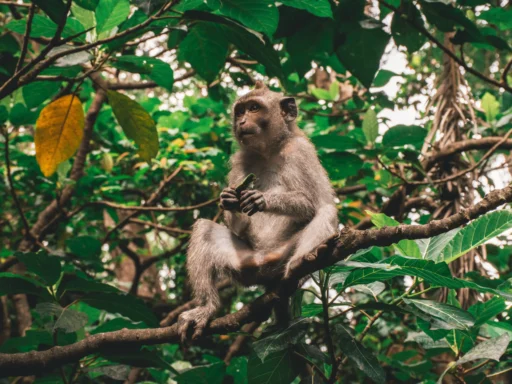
(270, 228)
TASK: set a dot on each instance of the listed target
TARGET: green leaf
(37, 92)
(111, 13)
(238, 369)
(11, 284)
(90, 5)
(401, 135)
(86, 247)
(454, 316)
(205, 48)
(370, 126)
(341, 165)
(157, 70)
(310, 310)
(488, 310)
(491, 107)
(362, 50)
(436, 274)
(383, 77)
(337, 142)
(282, 339)
(474, 234)
(491, 349)
(320, 8)
(260, 15)
(53, 8)
(403, 32)
(67, 319)
(359, 355)
(404, 247)
(279, 367)
(84, 16)
(44, 27)
(46, 267)
(501, 17)
(208, 374)
(322, 94)
(431, 247)
(126, 305)
(137, 124)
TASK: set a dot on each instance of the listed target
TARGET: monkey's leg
(213, 250)
(311, 237)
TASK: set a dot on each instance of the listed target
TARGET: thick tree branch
(466, 145)
(348, 241)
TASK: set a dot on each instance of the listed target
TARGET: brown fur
(289, 213)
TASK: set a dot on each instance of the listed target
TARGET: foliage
(116, 128)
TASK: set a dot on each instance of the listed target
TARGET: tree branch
(348, 241)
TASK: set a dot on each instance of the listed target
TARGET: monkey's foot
(198, 317)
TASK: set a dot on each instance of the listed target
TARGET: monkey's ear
(288, 108)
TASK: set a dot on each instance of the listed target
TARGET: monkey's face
(251, 120)
(262, 119)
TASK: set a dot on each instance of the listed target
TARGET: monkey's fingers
(183, 325)
(247, 200)
(228, 192)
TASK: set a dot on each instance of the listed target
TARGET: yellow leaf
(59, 131)
(178, 142)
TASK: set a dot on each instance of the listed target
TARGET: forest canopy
(116, 134)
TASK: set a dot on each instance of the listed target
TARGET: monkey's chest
(267, 231)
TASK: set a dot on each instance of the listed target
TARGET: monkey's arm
(295, 204)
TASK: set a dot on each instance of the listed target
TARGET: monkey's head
(263, 119)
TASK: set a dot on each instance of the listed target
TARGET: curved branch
(348, 241)
(466, 145)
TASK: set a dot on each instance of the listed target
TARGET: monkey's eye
(239, 112)
(254, 108)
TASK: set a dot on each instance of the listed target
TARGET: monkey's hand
(229, 200)
(252, 201)
(199, 317)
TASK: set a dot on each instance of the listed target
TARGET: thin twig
(11, 187)
(26, 37)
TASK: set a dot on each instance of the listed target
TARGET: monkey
(269, 229)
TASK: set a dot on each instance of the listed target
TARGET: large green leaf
(431, 247)
(476, 233)
(340, 165)
(491, 107)
(279, 367)
(364, 359)
(260, 15)
(501, 17)
(449, 314)
(37, 92)
(46, 267)
(361, 51)
(11, 284)
(85, 247)
(111, 13)
(44, 27)
(337, 142)
(157, 70)
(126, 305)
(137, 124)
(437, 274)
(483, 312)
(403, 32)
(401, 135)
(320, 8)
(281, 339)
(205, 47)
(53, 8)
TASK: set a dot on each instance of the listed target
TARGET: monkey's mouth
(246, 133)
